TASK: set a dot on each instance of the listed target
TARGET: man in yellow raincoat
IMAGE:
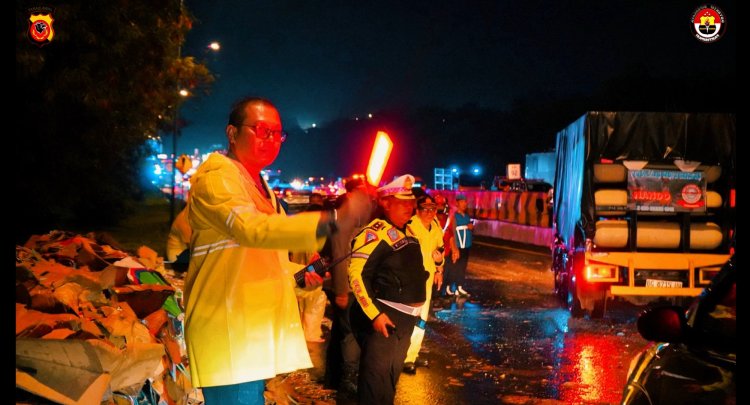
(242, 325)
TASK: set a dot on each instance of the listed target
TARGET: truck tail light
(600, 273)
(706, 274)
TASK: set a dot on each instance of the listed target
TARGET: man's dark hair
(352, 184)
(418, 192)
(237, 115)
(424, 199)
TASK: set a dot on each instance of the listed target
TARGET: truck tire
(600, 306)
(559, 274)
(561, 291)
(572, 300)
(592, 300)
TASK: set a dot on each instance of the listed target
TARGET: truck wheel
(559, 284)
(600, 305)
(574, 303)
(561, 288)
(562, 293)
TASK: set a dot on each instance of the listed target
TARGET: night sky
(323, 60)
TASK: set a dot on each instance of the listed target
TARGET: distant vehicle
(297, 200)
(694, 355)
(503, 184)
(472, 183)
(329, 200)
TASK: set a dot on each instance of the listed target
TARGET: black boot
(420, 362)
(348, 384)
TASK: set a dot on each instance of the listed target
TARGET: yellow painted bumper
(654, 291)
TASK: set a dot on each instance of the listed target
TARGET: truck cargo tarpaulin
(621, 136)
(643, 206)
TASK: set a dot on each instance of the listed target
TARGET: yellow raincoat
(429, 240)
(179, 235)
(242, 322)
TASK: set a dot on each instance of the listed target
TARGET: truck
(643, 207)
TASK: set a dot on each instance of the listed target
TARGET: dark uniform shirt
(386, 264)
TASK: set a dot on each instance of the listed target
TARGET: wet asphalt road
(510, 342)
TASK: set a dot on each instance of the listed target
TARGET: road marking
(531, 252)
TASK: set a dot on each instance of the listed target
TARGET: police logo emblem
(40, 28)
(393, 234)
(709, 23)
(370, 236)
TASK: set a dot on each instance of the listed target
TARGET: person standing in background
(430, 237)
(444, 219)
(343, 351)
(463, 226)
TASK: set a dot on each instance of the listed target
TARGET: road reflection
(589, 369)
(536, 353)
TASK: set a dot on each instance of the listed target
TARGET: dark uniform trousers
(455, 273)
(382, 359)
(342, 353)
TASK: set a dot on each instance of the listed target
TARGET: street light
(175, 134)
(184, 94)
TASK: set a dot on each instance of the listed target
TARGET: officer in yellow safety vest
(430, 236)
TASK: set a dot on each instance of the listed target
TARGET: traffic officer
(387, 277)
(430, 236)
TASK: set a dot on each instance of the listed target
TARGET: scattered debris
(96, 324)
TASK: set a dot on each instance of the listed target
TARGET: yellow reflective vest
(429, 240)
(242, 322)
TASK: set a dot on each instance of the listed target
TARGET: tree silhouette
(88, 101)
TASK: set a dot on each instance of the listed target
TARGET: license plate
(663, 283)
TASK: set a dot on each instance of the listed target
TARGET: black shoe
(348, 384)
(410, 368)
(348, 388)
(419, 362)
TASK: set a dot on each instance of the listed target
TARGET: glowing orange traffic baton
(381, 152)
